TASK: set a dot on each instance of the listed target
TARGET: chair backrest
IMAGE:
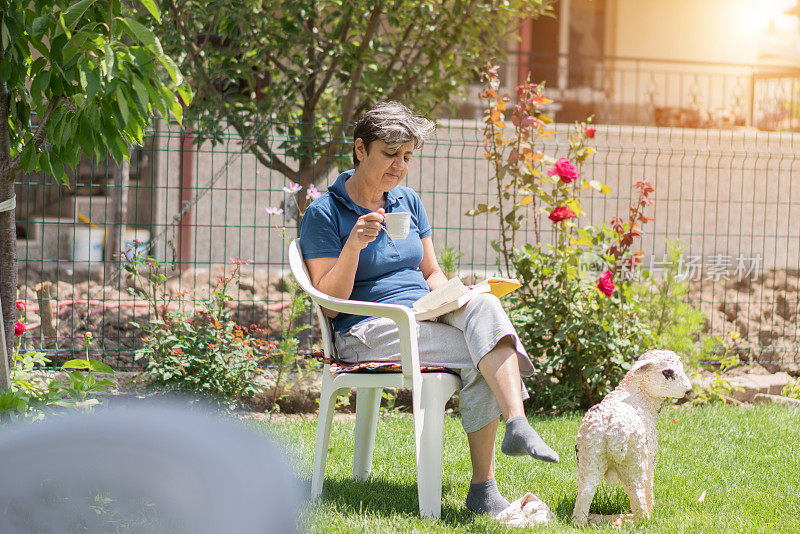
(300, 272)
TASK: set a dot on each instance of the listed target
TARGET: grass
(747, 460)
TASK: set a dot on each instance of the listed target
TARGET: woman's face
(383, 167)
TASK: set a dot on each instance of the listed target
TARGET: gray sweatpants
(456, 340)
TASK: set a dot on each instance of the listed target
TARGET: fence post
(186, 179)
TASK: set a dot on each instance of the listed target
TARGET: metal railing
(657, 92)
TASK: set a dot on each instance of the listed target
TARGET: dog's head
(661, 374)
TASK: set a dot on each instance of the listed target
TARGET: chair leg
(429, 415)
(368, 401)
(327, 405)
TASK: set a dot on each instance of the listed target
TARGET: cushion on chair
(338, 367)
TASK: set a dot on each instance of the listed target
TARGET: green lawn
(747, 460)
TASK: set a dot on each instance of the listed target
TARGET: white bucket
(135, 242)
(87, 245)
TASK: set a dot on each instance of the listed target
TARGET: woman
(350, 257)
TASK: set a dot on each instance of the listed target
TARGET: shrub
(32, 397)
(674, 323)
(198, 348)
(576, 311)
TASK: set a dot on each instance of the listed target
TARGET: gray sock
(485, 498)
(521, 439)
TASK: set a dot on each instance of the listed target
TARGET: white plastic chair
(429, 394)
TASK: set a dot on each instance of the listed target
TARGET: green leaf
(75, 11)
(39, 25)
(122, 103)
(108, 61)
(152, 8)
(76, 364)
(141, 94)
(28, 158)
(100, 367)
(92, 83)
(151, 42)
(176, 108)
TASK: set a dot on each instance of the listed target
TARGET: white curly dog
(617, 437)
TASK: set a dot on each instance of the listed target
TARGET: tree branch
(14, 165)
(344, 29)
(355, 76)
(265, 155)
(398, 50)
(269, 159)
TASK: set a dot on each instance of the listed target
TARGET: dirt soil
(764, 312)
(108, 312)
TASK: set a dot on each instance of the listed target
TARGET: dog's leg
(590, 472)
(634, 482)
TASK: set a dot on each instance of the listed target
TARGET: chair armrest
(402, 316)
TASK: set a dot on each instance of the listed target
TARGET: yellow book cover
(454, 294)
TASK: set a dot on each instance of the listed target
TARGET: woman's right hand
(366, 229)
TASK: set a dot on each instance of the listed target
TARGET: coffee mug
(397, 224)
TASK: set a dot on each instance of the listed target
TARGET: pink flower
(294, 188)
(20, 305)
(19, 328)
(528, 121)
(590, 131)
(605, 284)
(565, 170)
(313, 193)
(561, 213)
(273, 210)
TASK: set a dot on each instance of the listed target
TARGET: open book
(454, 294)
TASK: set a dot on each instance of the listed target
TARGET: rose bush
(577, 324)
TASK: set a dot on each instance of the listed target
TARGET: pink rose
(590, 131)
(606, 285)
(565, 170)
(20, 305)
(19, 328)
(561, 213)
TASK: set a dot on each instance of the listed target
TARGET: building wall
(724, 31)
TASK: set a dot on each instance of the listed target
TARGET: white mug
(397, 224)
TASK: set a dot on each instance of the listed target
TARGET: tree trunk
(119, 215)
(8, 278)
(8, 240)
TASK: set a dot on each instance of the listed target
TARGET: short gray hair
(392, 123)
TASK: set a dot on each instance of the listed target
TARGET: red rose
(590, 131)
(20, 305)
(561, 213)
(606, 285)
(565, 170)
(19, 328)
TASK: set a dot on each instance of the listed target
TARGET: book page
(448, 292)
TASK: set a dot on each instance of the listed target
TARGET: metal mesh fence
(728, 194)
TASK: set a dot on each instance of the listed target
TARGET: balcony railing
(658, 92)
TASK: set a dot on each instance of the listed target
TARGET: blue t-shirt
(388, 270)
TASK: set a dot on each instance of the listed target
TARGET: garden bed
(764, 312)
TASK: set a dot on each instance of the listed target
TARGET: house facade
(687, 63)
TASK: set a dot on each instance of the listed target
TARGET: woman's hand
(366, 230)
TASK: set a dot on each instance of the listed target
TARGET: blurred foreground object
(155, 469)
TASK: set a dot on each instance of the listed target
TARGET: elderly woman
(349, 256)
